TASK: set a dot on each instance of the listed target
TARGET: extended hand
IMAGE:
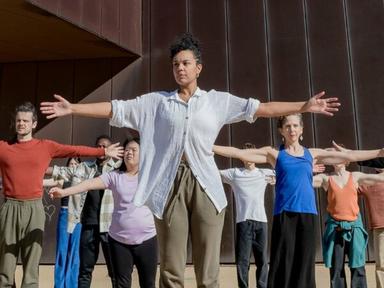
(318, 168)
(56, 109)
(114, 151)
(323, 106)
(339, 147)
(56, 192)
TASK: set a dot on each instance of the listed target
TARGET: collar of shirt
(175, 95)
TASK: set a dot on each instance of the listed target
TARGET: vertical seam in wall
(119, 22)
(268, 64)
(352, 74)
(227, 39)
(230, 128)
(187, 11)
(82, 14)
(110, 95)
(73, 97)
(37, 66)
(309, 65)
(149, 44)
(101, 17)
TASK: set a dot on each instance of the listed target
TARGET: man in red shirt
(23, 163)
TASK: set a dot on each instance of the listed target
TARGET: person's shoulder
(213, 93)
(45, 142)
(160, 94)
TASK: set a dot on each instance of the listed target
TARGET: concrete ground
(227, 277)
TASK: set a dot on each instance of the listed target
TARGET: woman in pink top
(132, 233)
(344, 232)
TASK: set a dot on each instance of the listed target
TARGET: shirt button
(185, 133)
(187, 117)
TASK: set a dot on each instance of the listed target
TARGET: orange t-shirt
(343, 202)
(23, 164)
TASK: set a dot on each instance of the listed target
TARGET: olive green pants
(21, 232)
(189, 211)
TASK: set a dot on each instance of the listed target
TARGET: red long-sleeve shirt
(23, 164)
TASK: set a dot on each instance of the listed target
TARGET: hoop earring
(301, 138)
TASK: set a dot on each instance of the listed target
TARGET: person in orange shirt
(344, 232)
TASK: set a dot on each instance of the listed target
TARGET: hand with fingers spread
(318, 168)
(323, 106)
(56, 109)
(114, 151)
(56, 192)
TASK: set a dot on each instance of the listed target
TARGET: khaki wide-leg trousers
(21, 232)
(189, 211)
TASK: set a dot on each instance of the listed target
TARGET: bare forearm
(275, 109)
(226, 151)
(337, 157)
(361, 155)
(96, 110)
(90, 184)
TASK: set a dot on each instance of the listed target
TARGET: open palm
(56, 109)
(323, 106)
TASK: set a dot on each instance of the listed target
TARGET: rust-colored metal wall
(268, 49)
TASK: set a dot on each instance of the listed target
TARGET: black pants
(143, 256)
(358, 277)
(90, 242)
(293, 250)
(252, 236)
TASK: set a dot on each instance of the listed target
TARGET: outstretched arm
(314, 105)
(87, 185)
(62, 107)
(258, 156)
(339, 157)
(368, 179)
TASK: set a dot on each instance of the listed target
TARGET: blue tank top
(294, 190)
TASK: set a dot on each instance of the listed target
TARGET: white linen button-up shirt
(168, 127)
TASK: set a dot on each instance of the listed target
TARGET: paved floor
(227, 277)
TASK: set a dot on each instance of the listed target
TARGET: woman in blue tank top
(292, 261)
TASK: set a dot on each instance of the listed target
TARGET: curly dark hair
(186, 42)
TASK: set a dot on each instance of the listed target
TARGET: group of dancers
(175, 178)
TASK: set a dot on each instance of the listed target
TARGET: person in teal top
(293, 231)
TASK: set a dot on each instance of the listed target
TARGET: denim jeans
(252, 237)
(337, 271)
(67, 253)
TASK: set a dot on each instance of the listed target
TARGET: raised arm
(368, 179)
(258, 156)
(63, 107)
(87, 185)
(338, 157)
(314, 105)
